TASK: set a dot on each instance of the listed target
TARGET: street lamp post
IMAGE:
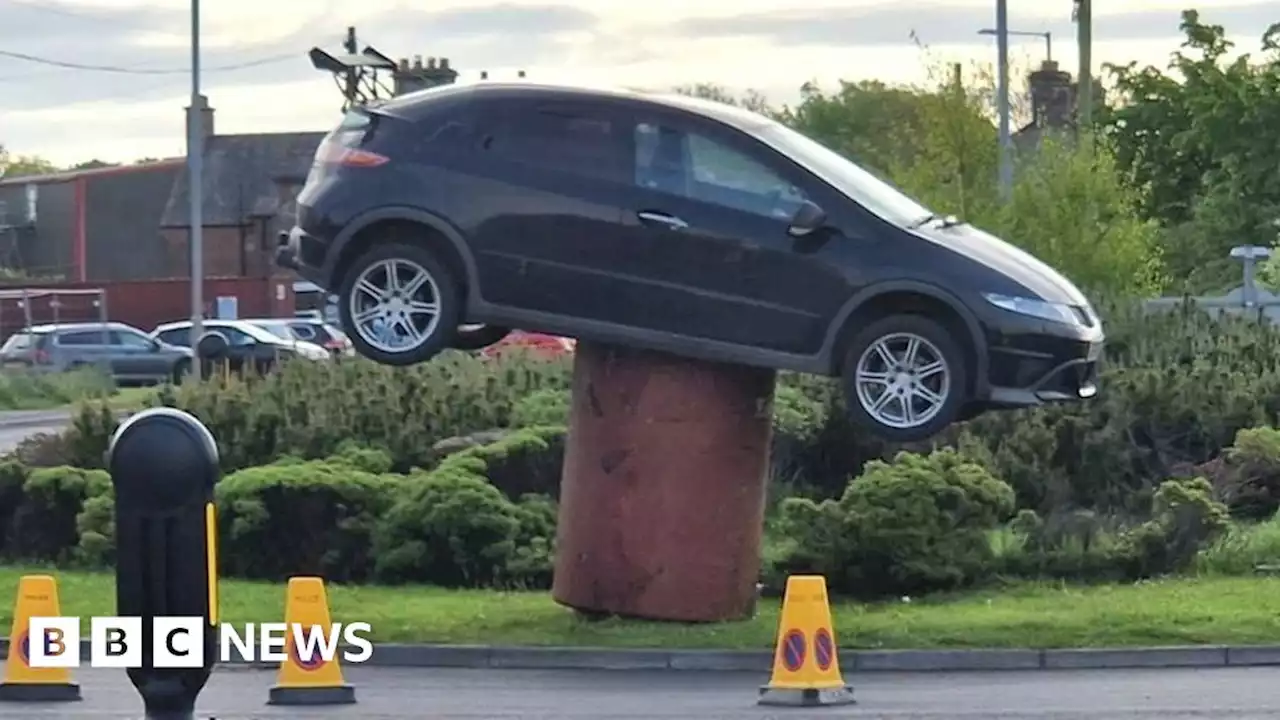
(1002, 33)
(1002, 102)
(195, 192)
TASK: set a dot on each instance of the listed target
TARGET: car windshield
(280, 330)
(871, 192)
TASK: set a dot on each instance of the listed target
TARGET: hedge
(392, 459)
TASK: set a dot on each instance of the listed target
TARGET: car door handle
(670, 221)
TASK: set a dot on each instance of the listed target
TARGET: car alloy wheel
(902, 381)
(395, 305)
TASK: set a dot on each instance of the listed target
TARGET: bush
(913, 525)
(309, 518)
(451, 528)
(29, 390)
(45, 526)
(1185, 519)
(309, 410)
(526, 462)
(1247, 476)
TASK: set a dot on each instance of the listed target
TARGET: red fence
(141, 303)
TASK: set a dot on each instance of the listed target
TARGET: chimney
(1052, 96)
(205, 117)
(436, 72)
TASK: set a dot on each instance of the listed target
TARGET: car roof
(73, 327)
(740, 118)
(241, 324)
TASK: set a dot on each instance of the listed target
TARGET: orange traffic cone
(310, 680)
(37, 597)
(805, 668)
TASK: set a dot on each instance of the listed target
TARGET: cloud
(893, 24)
(157, 39)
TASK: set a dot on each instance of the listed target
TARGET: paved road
(17, 425)
(452, 694)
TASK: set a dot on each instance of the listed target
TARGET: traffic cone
(806, 671)
(314, 680)
(37, 597)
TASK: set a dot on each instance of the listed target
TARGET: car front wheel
(905, 378)
(399, 304)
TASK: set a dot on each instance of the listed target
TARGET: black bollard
(164, 464)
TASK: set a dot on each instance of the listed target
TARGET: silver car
(129, 355)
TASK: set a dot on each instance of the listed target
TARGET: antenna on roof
(355, 72)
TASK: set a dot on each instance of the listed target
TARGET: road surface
(455, 694)
(17, 425)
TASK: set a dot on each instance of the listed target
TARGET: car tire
(478, 337)
(885, 416)
(440, 329)
(181, 371)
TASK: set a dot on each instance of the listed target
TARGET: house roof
(239, 176)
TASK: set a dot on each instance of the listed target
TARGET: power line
(144, 71)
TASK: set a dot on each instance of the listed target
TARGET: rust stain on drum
(663, 492)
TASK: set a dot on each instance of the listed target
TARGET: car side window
(85, 337)
(130, 340)
(176, 336)
(699, 168)
(236, 338)
(559, 140)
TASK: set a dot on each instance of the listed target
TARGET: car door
(553, 174)
(88, 347)
(134, 356)
(707, 232)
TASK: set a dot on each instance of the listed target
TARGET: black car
(679, 225)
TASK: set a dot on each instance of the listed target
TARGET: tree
(12, 166)
(1072, 205)
(1203, 141)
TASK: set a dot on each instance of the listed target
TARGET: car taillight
(331, 153)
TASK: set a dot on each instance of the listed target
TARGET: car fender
(865, 295)
(411, 214)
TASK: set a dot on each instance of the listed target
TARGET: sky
(72, 115)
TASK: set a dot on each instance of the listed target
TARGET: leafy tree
(1203, 140)
(12, 166)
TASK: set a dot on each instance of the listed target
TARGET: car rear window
(17, 341)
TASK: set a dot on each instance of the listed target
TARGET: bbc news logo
(178, 642)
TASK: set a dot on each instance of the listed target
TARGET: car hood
(1014, 263)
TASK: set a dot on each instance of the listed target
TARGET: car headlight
(1032, 307)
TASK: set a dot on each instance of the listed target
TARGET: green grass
(1173, 612)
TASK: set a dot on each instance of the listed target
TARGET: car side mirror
(808, 219)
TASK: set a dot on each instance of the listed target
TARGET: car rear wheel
(904, 378)
(476, 337)
(399, 304)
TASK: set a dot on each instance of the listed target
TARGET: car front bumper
(1033, 362)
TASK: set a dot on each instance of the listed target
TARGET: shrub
(312, 518)
(1247, 476)
(544, 407)
(13, 477)
(916, 524)
(526, 462)
(450, 528)
(309, 410)
(29, 390)
(45, 526)
(1185, 519)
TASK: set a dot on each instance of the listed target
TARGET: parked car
(288, 330)
(539, 344)
(324, 334)
(245, 343)
(127, 353)
(680, 225)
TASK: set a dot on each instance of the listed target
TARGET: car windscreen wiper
(945, 222)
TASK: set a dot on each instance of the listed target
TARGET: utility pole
(352, 88)
(1084, 38)
(195, 191)
(1002, 98)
